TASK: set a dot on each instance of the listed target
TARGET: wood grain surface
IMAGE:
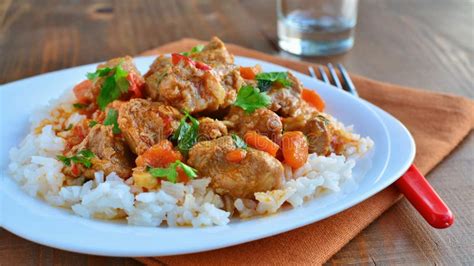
(420, 43)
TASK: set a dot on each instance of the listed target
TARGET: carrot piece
(294, 148)
(247, 72)
(261, 142)
(236, 156)
(81, 91)
(313, 98)
(159, 155)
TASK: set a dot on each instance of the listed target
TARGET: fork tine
(334, 76)
(347, 79)
(324, 77)
(311, 72)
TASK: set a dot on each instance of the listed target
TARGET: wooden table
(427, 44)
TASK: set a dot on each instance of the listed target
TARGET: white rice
(35, 167)
(302, 184)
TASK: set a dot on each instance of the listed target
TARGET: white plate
(33, 219)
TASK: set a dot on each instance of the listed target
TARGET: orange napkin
(438, 123)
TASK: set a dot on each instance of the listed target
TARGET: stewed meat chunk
(263, 121)
(211, 129)
(214, 53)
(257, 172)
(145, 123)
(287, 101)
(89, 90)
(111, 154)
(187, 88)
(316, 128)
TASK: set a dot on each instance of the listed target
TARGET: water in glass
(317, 27)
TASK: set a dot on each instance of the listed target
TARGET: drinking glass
(316, 27)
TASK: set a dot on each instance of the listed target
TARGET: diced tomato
(81, 91)
(176, 58)
(75, 170)
(159, 155)
(202, 66)
(182, 176)
(136, 85)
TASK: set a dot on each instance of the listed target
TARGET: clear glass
(316, 27)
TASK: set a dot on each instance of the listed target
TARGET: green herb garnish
(186, 135)
(114, 84)
(266, 79)
(79, 105)
(196, 49)
(92, 123)
(82, 157)
(101, 72)
(171, 173)
(239, 142)
(326, 121)
(111, 120)
(68, 127)
(250, 99)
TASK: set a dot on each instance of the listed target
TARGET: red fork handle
(424, 198)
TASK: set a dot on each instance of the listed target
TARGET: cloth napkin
(437, 121)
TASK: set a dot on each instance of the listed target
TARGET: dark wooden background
(421, 43)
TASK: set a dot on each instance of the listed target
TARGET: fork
(413, 185)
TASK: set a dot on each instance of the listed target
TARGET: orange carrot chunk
(261, 142)
(236, 156)
(159, 155)
(247, 72)
(294, 148)
(311, 97)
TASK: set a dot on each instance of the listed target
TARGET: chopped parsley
(266, 79)
(92, 123)
(196, 49)
(101, 72)
(186, 135)
(239, 142)
(68, 127)
(326, 121)
(79, 105)
(250, 99)
(111, 120)
(82, 157)
(114, 84)
(171, 173)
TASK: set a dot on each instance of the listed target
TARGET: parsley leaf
(239, 142)
(113, 86)
(101, 72)
(250, 99)
(66, 160)
(196, 49)
(171, 173)
(82, 157)
(92, 123)
(266, 79)
(111, 120)
(69, 127)
(186, 135)
(79, 105)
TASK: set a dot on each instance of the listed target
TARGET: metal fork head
(348, 84)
